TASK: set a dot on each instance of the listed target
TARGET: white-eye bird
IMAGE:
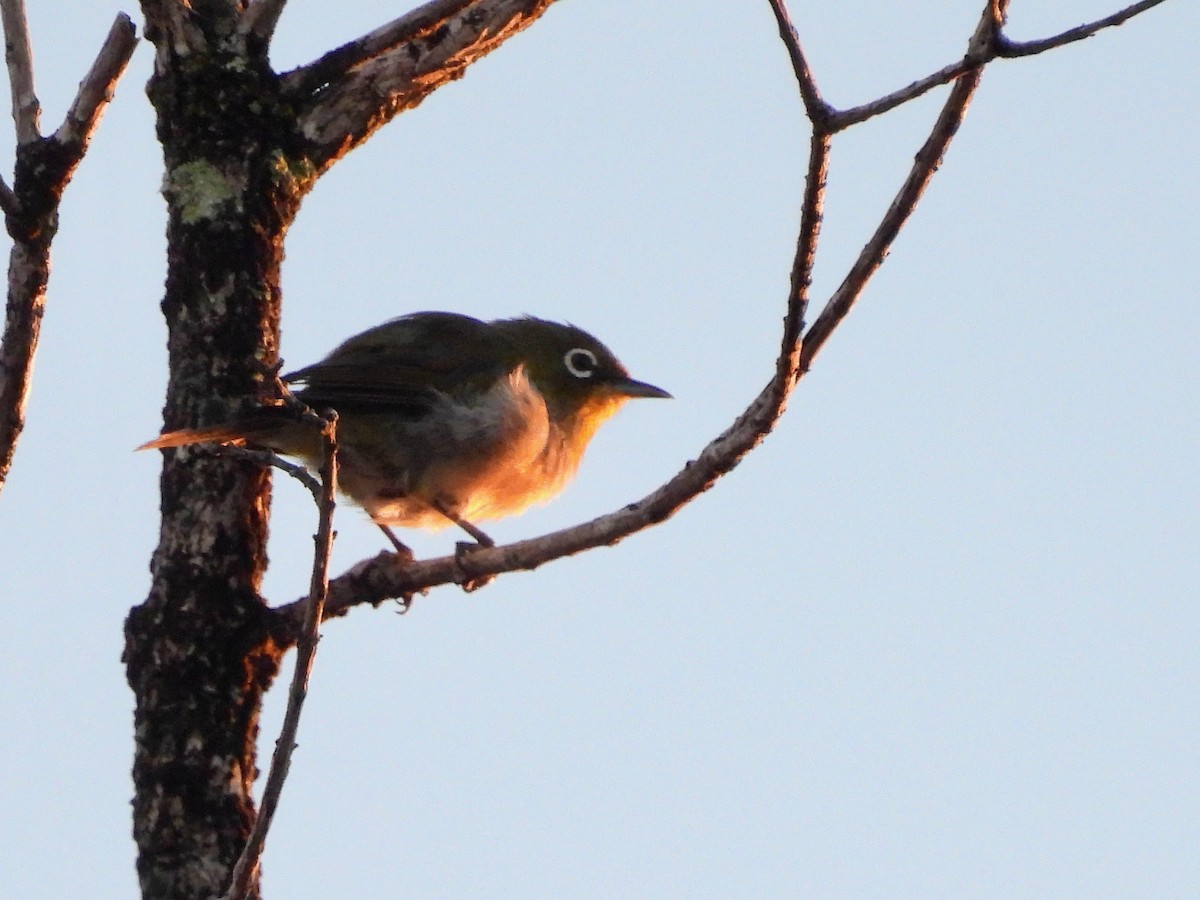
(445, 418)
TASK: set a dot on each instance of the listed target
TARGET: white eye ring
(580, 362)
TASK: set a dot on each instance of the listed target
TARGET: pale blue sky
(936, 638)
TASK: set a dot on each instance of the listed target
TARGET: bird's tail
(273, 427)
(216, 434)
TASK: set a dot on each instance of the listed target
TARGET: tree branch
(843, 119)
(96, 90)
(1009, 49)
(44, 167)
(1000, 47)
(411, 26)
(349, 93)
(814, 104)
(28, 270)
(19, 56)
(246, 869)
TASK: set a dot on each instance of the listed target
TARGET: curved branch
(385, 577)
(349, 93)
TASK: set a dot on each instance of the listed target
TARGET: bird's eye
(580, 362)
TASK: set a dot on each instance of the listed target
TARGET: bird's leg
(480, 538)
(401, 548)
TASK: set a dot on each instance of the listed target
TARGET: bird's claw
(462, 550)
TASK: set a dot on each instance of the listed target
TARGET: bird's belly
(489, 460)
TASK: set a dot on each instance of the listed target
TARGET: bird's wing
(402, 365)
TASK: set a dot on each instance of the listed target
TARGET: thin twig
(1012, 49)
(1000, 47)
(246, 868)
(812, 208)
(19, 56)
(96, 89)
(843, 119)
(806, 249)
(273, 460)
(814, 104)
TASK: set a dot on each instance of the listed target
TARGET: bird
(444, 418)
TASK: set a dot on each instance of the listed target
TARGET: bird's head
(581, 380)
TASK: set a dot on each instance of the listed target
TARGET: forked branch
(978, 55)
(44, 166)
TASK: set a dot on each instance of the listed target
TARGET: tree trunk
(199, 651)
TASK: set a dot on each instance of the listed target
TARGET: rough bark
(199, 653)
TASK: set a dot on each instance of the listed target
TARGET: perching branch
(246, 870)
(43, 168)
(382, 578)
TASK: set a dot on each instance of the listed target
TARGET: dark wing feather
(402, 365)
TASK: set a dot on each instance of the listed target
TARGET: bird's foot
(463, 550)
